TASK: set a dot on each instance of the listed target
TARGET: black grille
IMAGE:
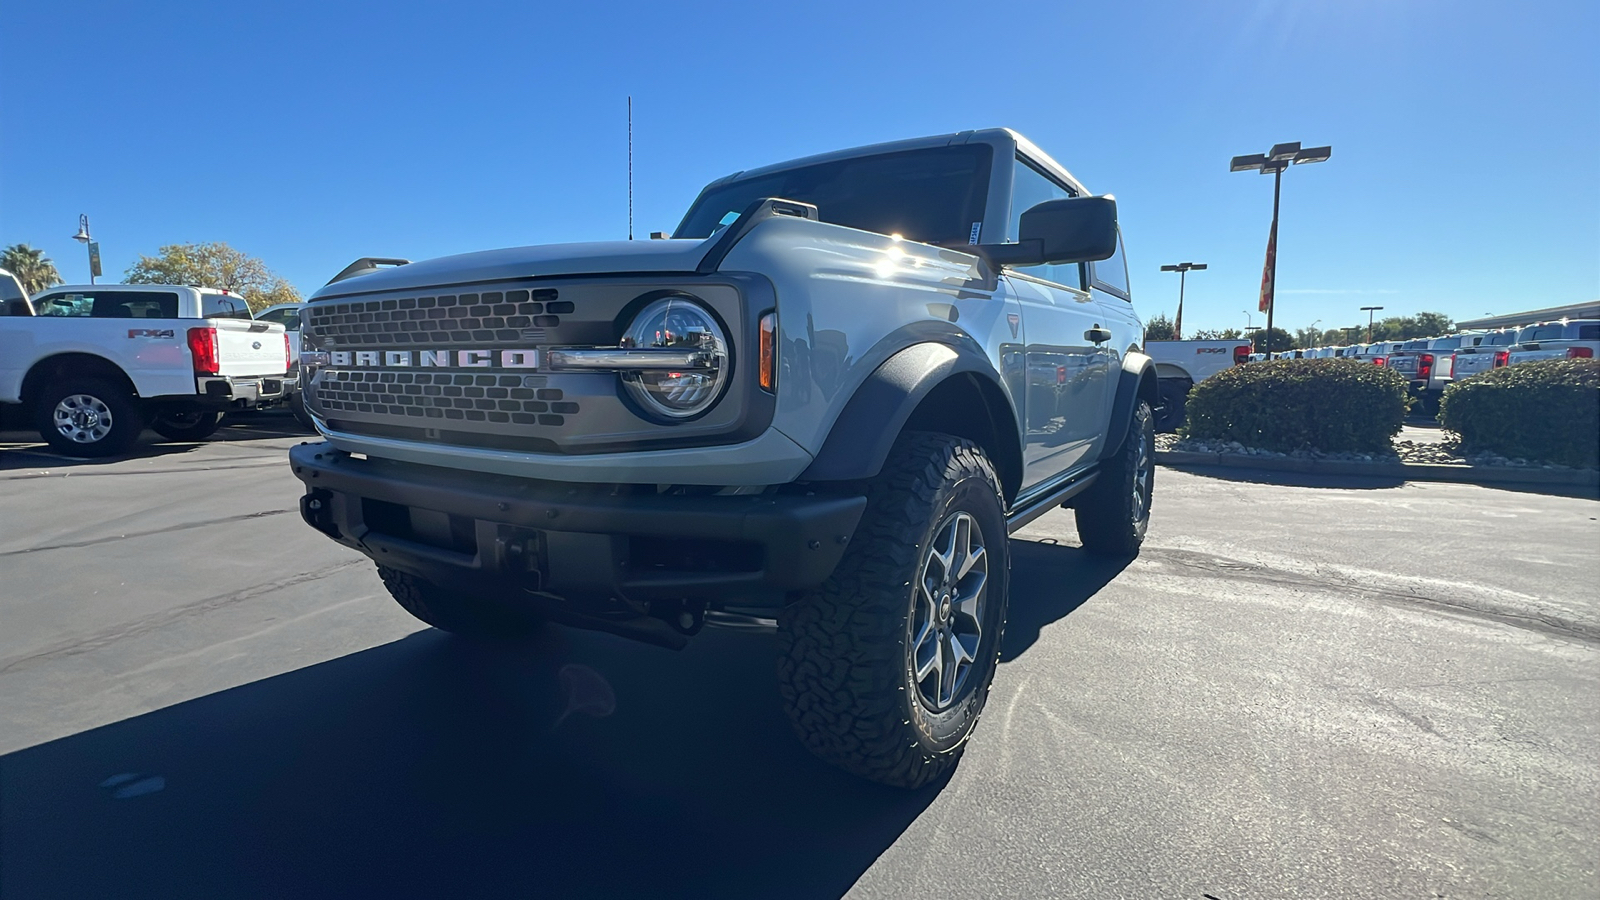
(492, 316)
(506, 399)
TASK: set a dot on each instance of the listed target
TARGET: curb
(1403, 471)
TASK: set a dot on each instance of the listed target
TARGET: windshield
(934, 196)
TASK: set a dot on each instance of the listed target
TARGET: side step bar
(1051, 498)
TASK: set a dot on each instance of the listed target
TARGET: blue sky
(1465, 175)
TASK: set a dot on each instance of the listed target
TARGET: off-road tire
(456, 612)
(126, 419)
(187, 426)
(1109, 524)
(844, 667)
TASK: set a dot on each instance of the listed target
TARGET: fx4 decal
(151, 333)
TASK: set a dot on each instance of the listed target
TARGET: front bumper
(583, 543)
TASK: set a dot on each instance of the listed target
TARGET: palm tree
(31, 266)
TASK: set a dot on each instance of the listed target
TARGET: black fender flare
(1135, 380)
(861, 437)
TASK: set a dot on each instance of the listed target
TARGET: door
(1066, 372)
(1066, 378)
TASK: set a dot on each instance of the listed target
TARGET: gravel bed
(1448, 453)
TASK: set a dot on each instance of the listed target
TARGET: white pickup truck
(1180, 365)
(1492, 352)
(1430, 364)
(1572, 339)
(95, 364)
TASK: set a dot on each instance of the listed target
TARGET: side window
(1112, 274)
(1030, 187)
(61, 305)
(1589, 332)
(223, 306)
(110, 305)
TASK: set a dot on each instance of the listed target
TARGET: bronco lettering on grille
(443, 359)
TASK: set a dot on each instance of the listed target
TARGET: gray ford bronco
(819, 407)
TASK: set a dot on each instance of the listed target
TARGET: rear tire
(87, 417)
(904, 602)
(1114, 513)
(196, 425)
(457, 612)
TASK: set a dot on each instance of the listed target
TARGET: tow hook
(683, 616)
(316, 507)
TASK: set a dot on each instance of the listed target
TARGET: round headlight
(678, 323)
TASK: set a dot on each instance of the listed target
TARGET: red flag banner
(1268, 269)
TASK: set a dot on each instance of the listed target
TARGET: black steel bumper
(584, 543)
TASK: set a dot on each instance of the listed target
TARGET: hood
(598, 258)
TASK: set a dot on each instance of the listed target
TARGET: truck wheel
(87, 417)
(1114, 512)
(195, 425)
(454, 611)
(884, 669)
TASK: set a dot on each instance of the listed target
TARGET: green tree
(1281, 341)
(1159, 328)
(1218, 334)
(214, 265)
(31, 266)
(1432, 324)
(1308, 337)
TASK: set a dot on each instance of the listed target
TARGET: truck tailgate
(1405, 365)
(246, 348)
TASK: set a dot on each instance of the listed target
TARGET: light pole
(83, 238)
(1273, 162)
(1183, 272)
(1369, 310)
(1249, 320)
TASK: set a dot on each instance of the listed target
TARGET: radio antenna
(630, 167)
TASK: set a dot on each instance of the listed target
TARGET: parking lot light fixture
(1183, 270)
(83, 238)
(1369, 310)
(1273, 162)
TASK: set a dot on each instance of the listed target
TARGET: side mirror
(1077, 229)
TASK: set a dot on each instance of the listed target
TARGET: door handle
(1097, 335)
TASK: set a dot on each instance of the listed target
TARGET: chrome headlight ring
(681, 323)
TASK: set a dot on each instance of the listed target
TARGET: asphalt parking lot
(1349, 689)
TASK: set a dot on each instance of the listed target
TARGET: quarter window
(1030, 187)
(1112, 274)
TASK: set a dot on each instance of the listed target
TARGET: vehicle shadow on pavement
(1369, 482)
(1048, 582)
(428, 767)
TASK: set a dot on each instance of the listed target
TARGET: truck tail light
(1378, 360)
(1425, 366)
(288, 358)
(203, 349)
(1580, 353)
(1501, 357)
(769, 351)
(1241, 354)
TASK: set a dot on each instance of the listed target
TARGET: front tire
(196, 425)
(885, 668)
(1114, 513)
(87, 417)
(457, 612)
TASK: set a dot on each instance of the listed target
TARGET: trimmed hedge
(1301, 404)
(1547, 410)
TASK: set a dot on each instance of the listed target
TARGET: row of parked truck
(1433, 364)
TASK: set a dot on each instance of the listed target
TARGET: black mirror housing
(1076, 229)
